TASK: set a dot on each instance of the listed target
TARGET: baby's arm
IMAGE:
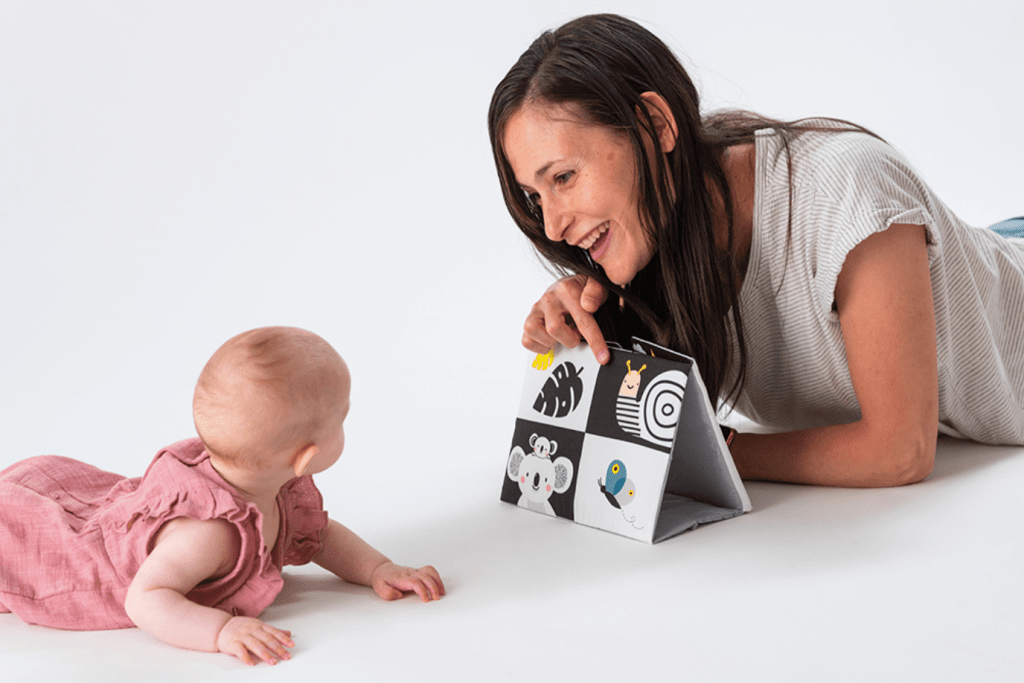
(186, 552)
(356, 561)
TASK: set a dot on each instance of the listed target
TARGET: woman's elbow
(909, 457)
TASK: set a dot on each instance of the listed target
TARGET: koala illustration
(543, 448)
(537, 475)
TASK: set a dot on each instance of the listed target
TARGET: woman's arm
(348, 556)
(187, 552)
(884, 301)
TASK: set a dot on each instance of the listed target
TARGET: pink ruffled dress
(72, 536)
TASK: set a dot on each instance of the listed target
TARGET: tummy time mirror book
(632, 446)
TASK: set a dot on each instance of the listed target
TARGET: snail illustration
(653, 414)
(631, 382)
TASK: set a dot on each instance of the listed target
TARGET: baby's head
(269, 393)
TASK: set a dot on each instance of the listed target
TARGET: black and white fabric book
(632, 446)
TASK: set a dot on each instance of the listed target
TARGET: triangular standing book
(632, 446)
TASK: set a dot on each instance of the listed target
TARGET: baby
(192, 551)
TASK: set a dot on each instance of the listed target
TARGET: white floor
(172, 173)
(915, 584)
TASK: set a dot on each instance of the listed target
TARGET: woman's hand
(565, 315)
(392, 581)
(251, 640)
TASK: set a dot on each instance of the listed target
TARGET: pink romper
(72, 536)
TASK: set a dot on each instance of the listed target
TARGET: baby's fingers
(389, 592)
(433, 582)
(237, 650)
(251, 640)
(278, 639)
(428, 584)
(428, 590)
(265, 643)
(267, 647)
(274, 642)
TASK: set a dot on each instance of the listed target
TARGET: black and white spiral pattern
(654, 415)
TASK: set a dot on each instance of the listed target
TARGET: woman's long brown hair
(601, 65)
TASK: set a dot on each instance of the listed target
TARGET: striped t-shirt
(845, 187)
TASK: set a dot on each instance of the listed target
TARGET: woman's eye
(563, 178)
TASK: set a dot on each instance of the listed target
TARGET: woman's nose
(556, 221)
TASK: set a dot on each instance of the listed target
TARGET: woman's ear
(303, 457)
(664, 122)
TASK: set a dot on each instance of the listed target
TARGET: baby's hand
(244, 637)
(391, 581)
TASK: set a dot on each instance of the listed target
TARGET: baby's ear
(303, 457)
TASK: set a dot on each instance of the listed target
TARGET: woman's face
(583, 178)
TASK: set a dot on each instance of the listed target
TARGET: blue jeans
(1011, 227)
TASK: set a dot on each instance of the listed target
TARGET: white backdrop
(172, 173)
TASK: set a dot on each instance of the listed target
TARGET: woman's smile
(600, 246)
(593, 237)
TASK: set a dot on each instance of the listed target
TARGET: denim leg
(1011, 227)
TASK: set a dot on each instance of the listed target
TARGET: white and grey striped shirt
(845, 187)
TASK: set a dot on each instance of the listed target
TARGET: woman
(821, 286)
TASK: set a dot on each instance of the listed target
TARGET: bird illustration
(617, 488)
